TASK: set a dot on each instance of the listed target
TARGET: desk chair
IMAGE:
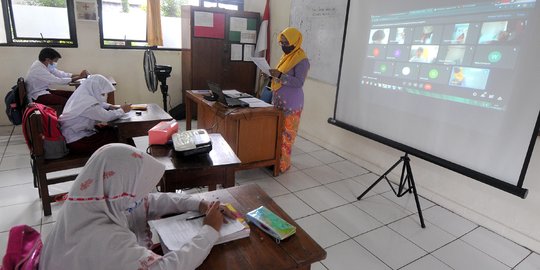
(23, 100)
(42, 166)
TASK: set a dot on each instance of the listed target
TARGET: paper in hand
(262, 64)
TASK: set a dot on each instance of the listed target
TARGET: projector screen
(454, 83)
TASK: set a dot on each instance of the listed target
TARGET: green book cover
(271, 223)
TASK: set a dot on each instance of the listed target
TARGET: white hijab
(92, 230)
(89, 93)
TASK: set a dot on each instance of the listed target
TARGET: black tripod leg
(413, 187)
(380, 178)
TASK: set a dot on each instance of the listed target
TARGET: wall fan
(154, 73)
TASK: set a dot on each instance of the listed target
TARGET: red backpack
(23, 249)
(54, 144)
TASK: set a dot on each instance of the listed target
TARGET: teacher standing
(287, 87)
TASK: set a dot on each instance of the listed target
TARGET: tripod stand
(405, 179)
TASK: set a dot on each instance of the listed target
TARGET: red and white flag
(263, 40)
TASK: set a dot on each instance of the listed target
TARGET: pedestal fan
(154, 73)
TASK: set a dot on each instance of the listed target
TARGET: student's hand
(204, 205)
(84, 74)
(214, 218)
(275, 73)
(126, 107)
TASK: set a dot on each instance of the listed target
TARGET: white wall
(515, 218)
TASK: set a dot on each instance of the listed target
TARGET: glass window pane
(35, 20)
(124, 19)
(227, 6)
(3, 29)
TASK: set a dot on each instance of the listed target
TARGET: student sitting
(104, 221)
(43, 73)
(84, 112)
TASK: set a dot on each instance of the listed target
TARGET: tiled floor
(379, 232)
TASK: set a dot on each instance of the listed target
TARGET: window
(123, 22)
(38, 23)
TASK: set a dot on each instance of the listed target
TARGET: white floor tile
(293, 206)
(461, 256)
(350, 255)
(16, 177)
(321, 230)
(305, 161)
(306, 145)
(427, 263)
(429, 238)
(324, 174)
(496, 246)
(348, 168)
(6, 130)
(16, 149)
(347, 189)
(320, 198)
(318, 266)
(407, 201)
(325, 156)
(368, 179)
(351, 220)
(270, 186)
(15, 162)
(17, 139)
(17, 130)
(248, 175)
(25, 213)
(295, 181)
(382, 209)
(530, 263)
(392, 248)
(296, 151)
(448, 221)
(17, 194)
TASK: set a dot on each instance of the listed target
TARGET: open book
(176, 231)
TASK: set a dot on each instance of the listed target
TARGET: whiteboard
(322, 23)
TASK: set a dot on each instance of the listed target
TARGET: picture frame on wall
(86, 10)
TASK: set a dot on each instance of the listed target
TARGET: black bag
(14, 109)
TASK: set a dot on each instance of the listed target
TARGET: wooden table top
(260, 251)
(221, 155)
(220, 109)
(153, 113)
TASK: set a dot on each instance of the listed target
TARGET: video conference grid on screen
(463, 54)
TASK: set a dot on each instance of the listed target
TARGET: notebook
(271, 223)
(176, 231)
(223, 99)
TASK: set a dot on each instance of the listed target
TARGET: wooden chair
(42, 166)
(23, 100)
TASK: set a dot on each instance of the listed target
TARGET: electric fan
(154, 73)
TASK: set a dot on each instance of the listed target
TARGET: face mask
(52, 66)
(287, 49)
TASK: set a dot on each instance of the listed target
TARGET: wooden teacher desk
(260, 251)
(216, 167)
(254, 134)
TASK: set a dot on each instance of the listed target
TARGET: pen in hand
(202, 215)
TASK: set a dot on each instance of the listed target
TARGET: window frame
(239, 3)
(13, 41)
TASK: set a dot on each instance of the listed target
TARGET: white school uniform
(39, 78)
(86, 107)
(103, 223)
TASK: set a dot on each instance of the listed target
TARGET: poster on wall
(86, 10)
(209, 24)
(243, 30)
